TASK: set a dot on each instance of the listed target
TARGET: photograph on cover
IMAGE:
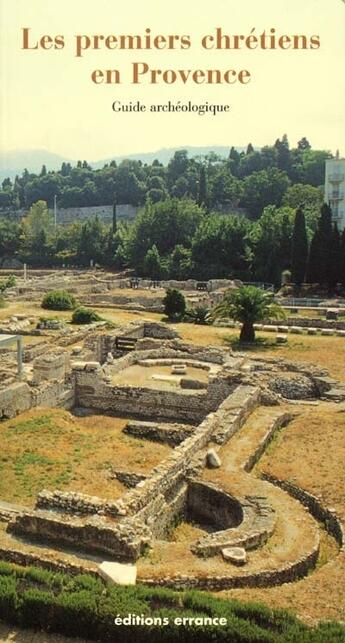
(172, 321)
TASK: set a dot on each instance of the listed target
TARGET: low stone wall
(253, 519)
(93, 391)
(129, 479)
(76, 503)
(19, 397)
(172, 434)
(327, 516)
(35, 350)
(180, 461)
(211, 505)
(125, 541)
(27, 559)
(134, 330)
(280, 422)
(266, 578)
(237, 407)
(308, 322)
(15, 399)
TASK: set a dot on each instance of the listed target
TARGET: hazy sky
(48, 100)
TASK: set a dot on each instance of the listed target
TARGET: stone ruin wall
(46, 388)
(92, 391)
(157, 501)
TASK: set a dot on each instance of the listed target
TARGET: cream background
(48, 101)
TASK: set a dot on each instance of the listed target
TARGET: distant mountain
(14, 162)
(164, 155)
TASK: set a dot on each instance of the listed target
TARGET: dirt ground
(9, 634)
(310, 452)
(327, 352)
(158, 377)
(51, 448)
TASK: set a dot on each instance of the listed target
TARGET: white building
(335, 189)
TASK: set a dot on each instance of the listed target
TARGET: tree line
(249, 180)
(181, 239)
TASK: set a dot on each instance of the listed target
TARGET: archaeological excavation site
(132, 452)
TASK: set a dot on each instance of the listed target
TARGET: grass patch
(53, 449)
(42, 423)
(83, 605)
(260, 343)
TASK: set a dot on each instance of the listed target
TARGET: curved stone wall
(209, 504)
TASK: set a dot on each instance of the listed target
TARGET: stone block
(332, 314)
(213, 460)
(312, 331)
(179, 369)
(270, 329)
(282, 339)
(118, 573)
(235, 555)
(78, 366)
(77, 350)
(92, 366)
(297, 330)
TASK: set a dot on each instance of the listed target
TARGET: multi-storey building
(335, 189)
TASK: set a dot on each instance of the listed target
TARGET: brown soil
(137, 375)
(9, 634)
(310, 452)
(52, 449)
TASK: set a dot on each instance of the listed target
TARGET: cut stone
(282, 339)
(212, 459)
(297, 330)
(236, 555)
(118, 573)
(179, 369)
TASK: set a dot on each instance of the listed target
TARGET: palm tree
(248, 305)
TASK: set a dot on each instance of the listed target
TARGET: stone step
(335, 395)
(172, 434)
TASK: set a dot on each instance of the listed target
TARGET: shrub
(84, 606)
(83, 315)
(199, 315)
(8, 598)
(58, 300)
(11, 281)
(174, 304)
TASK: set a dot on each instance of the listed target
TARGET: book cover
(172, 320)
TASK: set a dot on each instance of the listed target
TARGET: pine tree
(319, 262)
(326, 234)
(299, 253)
(233, 161)
(342, 258)
(335, 259)
(303, 144)
(283, 153)
(250, 149)
(202, 191)
(152, 263)
(234, 155)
